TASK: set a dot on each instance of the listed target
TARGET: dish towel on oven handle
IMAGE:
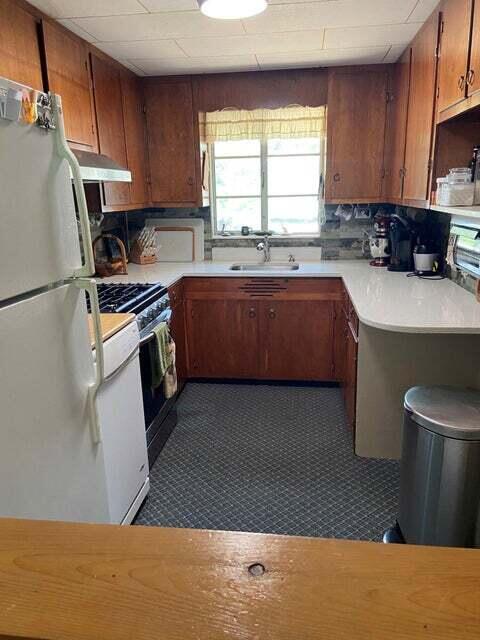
(170, 379)
(159, 353)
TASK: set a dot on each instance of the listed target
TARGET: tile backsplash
(340, 239)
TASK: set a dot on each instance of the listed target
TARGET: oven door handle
(164, 318)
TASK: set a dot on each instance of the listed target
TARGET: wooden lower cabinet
(275, 329)
(222, 338)
(296, 340)
(350, 326)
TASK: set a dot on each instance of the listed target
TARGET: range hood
(95, 167)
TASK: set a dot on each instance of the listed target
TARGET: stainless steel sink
(266, 266)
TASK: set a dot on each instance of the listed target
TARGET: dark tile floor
(269, 458)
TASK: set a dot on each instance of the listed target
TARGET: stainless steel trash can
(440, 467)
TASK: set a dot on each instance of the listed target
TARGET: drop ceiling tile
(370, 36)
(297, 1)
(157, 26)
(251, 44)
(423, 10)
(318, 15)
(142, 49)
(363, 55)
(170, 5)
(71, 26)
(81, 8)
(174, 66)
(395, 52)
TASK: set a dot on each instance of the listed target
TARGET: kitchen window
(274, 184)
(266, 168)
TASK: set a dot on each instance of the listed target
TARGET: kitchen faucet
(265, 247)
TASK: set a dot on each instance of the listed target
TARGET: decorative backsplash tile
(340, 238)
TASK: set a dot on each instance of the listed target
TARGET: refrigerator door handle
(88, 268)
(89, 285)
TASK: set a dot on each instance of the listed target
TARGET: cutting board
(197, 224)
(175, 244)
(111, 323)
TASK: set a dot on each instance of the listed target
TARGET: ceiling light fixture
(232, 9)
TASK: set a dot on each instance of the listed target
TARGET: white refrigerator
(52, 458)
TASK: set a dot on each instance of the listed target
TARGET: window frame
(264, 196)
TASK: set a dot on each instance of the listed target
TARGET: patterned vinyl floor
(272, 459)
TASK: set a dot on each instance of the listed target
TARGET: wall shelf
(468, 214)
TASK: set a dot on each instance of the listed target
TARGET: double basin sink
(266, 266)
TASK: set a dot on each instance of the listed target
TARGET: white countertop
(382, 299)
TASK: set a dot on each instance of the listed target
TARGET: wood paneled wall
(261, 89)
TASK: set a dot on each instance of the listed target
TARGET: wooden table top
(82, 582)
(111, 324)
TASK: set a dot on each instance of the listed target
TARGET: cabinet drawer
(263, 287)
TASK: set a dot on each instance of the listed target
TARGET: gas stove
(149, 302)
(151, 305)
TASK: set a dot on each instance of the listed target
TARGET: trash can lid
(450, 412)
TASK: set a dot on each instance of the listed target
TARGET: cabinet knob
(471, 77)
(190, 181)
(461, 82)
(251, 313)
(272, 314)
(336, 177)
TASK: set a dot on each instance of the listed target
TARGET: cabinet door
(350, 386)
(456, 22)
(222, 338)
(297, 339)
(111, 130)
(356, 134)
(397, 127)
(473, 76)
(135, 138)
(19, 50)
(173, 144)
(68, 75)
(421, 111)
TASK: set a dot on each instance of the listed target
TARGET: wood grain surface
(81, 582)
(111, 323)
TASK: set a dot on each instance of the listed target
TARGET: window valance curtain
(239, 124)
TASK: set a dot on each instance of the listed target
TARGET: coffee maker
(402, 237)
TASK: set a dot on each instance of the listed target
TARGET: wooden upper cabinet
(135, 138)
(357, 100)
(110, 125)
(19, 47)
(397, 127)
(69, 76)
(473, 75)
(454, 50)
(173, 143)
(421, 114)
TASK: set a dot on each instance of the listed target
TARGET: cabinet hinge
(442, 24)
(144, 108)
(438, 91)
(389, 96)
(93, 129)
(430, 164)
